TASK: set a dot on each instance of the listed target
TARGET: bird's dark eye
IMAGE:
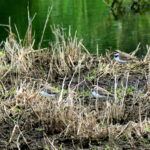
(116, 54)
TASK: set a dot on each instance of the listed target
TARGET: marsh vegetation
(74, 118)
(93, 22)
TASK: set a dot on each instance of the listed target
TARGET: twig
(18, 34)
(135, 51)
(13, 133)
(18, 145)
(3, 86)
(24, 138)
(61, 93)
(5, 25)
(115, 89)
(85, 49)
(51, 143)
(72, 78)
(148, 58)
(6, 72)
(124, 91)
(49, 12)
(97, 52)
(122, 130)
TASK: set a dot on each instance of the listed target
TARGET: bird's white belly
(119, 60)
(97, 95)
(47, 94)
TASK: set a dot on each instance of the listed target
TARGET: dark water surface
(92, 20)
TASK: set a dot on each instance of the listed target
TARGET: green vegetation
(120, 7)
(130, 89)
(148, 128)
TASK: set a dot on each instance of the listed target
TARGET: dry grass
(29, 120)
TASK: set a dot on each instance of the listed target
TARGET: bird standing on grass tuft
(99, 92)
(123, 57)
(48, 91)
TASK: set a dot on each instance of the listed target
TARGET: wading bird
(123, 57)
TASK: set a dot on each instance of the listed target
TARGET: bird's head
(116, 53)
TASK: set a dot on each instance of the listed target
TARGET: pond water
(92, 20)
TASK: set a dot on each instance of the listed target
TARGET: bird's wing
(102, 90)
(50, 89)
(126, 56)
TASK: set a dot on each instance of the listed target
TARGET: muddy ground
(44, 134)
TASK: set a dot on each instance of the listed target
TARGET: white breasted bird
(99, 92)
(48, 91)
(123, 57)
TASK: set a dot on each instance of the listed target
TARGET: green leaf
(39, 129)
(17, 109)
(2, 53)
(147, 128)
(13, 91)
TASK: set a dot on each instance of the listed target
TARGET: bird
(123, 57)
(48, 91)
(99, 92)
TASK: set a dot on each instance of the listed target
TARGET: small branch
(13, 133)
(115, 89)
(49, 12)
(61, 93)
(123, 130)
(135, 51)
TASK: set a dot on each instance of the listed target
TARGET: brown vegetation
(74, 118)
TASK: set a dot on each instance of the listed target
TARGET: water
(92, 20)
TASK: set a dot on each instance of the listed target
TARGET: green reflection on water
(92, 20)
